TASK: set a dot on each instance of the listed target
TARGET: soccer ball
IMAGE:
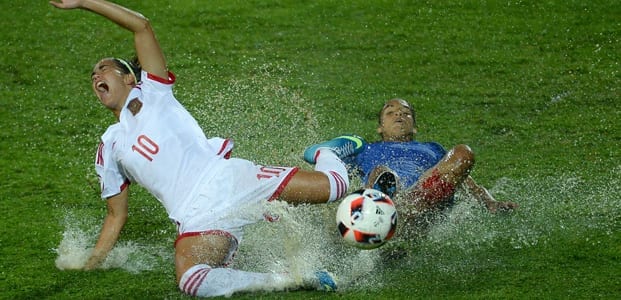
(366, 218)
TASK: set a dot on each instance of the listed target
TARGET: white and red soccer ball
(366, 218)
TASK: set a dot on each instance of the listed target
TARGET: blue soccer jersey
(409, 160)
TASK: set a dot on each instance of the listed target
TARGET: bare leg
(307, 187)
(328, 182)
(437, 185)
(200, 263)
(211, 249)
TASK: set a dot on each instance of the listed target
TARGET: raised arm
(147, 47)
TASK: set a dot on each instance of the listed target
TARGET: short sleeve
(111, 180)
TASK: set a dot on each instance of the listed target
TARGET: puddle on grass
(305, 238)
(568, 204)
(254, 112)
(80, 236)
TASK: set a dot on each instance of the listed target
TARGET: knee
(463, 155)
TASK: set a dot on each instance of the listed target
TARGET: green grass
(532, 86)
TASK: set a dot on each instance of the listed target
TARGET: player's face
(110, 84)
(397, 122)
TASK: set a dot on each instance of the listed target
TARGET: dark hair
(404, 103)
(129, 67)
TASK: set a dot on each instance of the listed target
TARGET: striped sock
(331, 165)
(204, 281)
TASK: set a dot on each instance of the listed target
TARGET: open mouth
(102, 87)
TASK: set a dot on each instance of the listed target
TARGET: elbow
(142, 24)
(118, 214)
(137, 23)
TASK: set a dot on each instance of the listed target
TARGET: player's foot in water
(325, 281)
(343, 146)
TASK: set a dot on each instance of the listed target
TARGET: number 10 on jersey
(146, 147)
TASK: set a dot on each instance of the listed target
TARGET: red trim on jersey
(122, 188)
(271, 218)
(170, 80)
(125, 185)
(223, 147)
(99, 160)
(283, 184)
(207, 232)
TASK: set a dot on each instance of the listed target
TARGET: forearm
(108, 237)
(147, 47)
(126, 18)
(111, 228)
(480, 193)
(483, 196)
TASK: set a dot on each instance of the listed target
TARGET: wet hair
(404, 103)
(129, 67)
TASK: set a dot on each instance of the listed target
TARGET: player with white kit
(209, 195)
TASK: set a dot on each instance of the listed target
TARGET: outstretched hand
(67, 4)
(498, 207)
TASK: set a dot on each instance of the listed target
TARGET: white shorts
(233, 198)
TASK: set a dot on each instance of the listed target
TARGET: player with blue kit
(423, 174)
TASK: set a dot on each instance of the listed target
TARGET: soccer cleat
(386, 182)
(343, 146)
(325, 281)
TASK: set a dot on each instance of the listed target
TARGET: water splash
(270, 122)
(550, 207)
(80, 236)
(304, 240)
(254, 111)
(74, 249)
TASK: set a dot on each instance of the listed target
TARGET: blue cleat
(343, 146)
(326, 282)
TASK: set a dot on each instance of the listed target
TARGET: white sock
(328, 163)
(203, 281)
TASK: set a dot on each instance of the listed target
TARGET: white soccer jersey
(155, 144)
(159, 145)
